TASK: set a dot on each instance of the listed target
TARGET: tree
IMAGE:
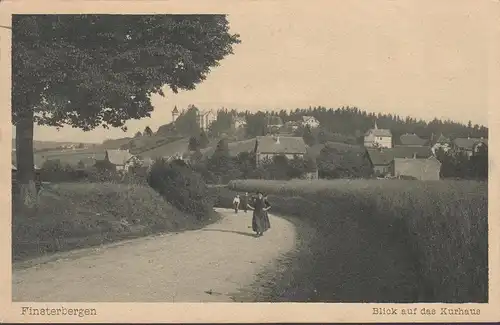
(221, 163)
(147, 131)
(194, 144)
(187, 123)
(203, 139)
(308, 136)
(88, 71)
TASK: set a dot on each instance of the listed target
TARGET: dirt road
(205, 265)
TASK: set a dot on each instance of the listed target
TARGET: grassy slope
(80, 215)
(388, 241)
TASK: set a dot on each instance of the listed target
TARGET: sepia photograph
(238, 156)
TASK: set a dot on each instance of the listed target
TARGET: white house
(381, 138)
(121, 159)
(205, 118)
(310, 121)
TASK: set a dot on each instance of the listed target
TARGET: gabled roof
(379, 132)
(306, 118)
(387, 155)
(468, 143)
(281, 145)
(412, 140)
(118, 157)
(175, 110)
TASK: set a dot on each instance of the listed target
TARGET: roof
(379, 132)
(205, 112)
(386, 156)
(412, 140)
(175, 110)
(235, 148)
(315, 150)
(468, 143)
(281, 145)
(118, 157)
(431, 159)
(305, 118)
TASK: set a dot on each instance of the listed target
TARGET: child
(236, 203)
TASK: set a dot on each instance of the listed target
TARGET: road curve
(206, 265)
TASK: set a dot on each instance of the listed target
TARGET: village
(408, 156)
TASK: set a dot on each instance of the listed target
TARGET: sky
(399, 57)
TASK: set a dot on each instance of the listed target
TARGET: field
(78, 215)
(387, 241)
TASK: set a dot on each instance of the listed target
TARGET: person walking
(236, 203)
(259, 214)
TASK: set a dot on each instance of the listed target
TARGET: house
(443, 143)
(470, 146)
(411, 139)
(424, 169)
(376, 137)
(268, 147)
(310, 121)
(382, 159)
(120, 159)
(205, 118)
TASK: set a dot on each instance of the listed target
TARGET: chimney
(278, 139)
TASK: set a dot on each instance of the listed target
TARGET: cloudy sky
(401, 57)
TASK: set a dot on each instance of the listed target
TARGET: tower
(175, 114)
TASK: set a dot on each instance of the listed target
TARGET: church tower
(175, 114)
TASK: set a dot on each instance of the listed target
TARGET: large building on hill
(378, 138)
(205, 118)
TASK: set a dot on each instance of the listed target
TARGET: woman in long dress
(259, 215)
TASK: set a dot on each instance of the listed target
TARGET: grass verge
(387, 241)
(79, 215)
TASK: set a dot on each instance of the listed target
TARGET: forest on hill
(348, 121)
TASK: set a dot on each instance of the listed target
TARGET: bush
(390, 240)
(182, 187)
(78, 215)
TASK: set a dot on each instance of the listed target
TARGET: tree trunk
(25, 161)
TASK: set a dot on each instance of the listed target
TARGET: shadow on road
(232, 231)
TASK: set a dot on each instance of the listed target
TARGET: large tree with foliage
(88, 71)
